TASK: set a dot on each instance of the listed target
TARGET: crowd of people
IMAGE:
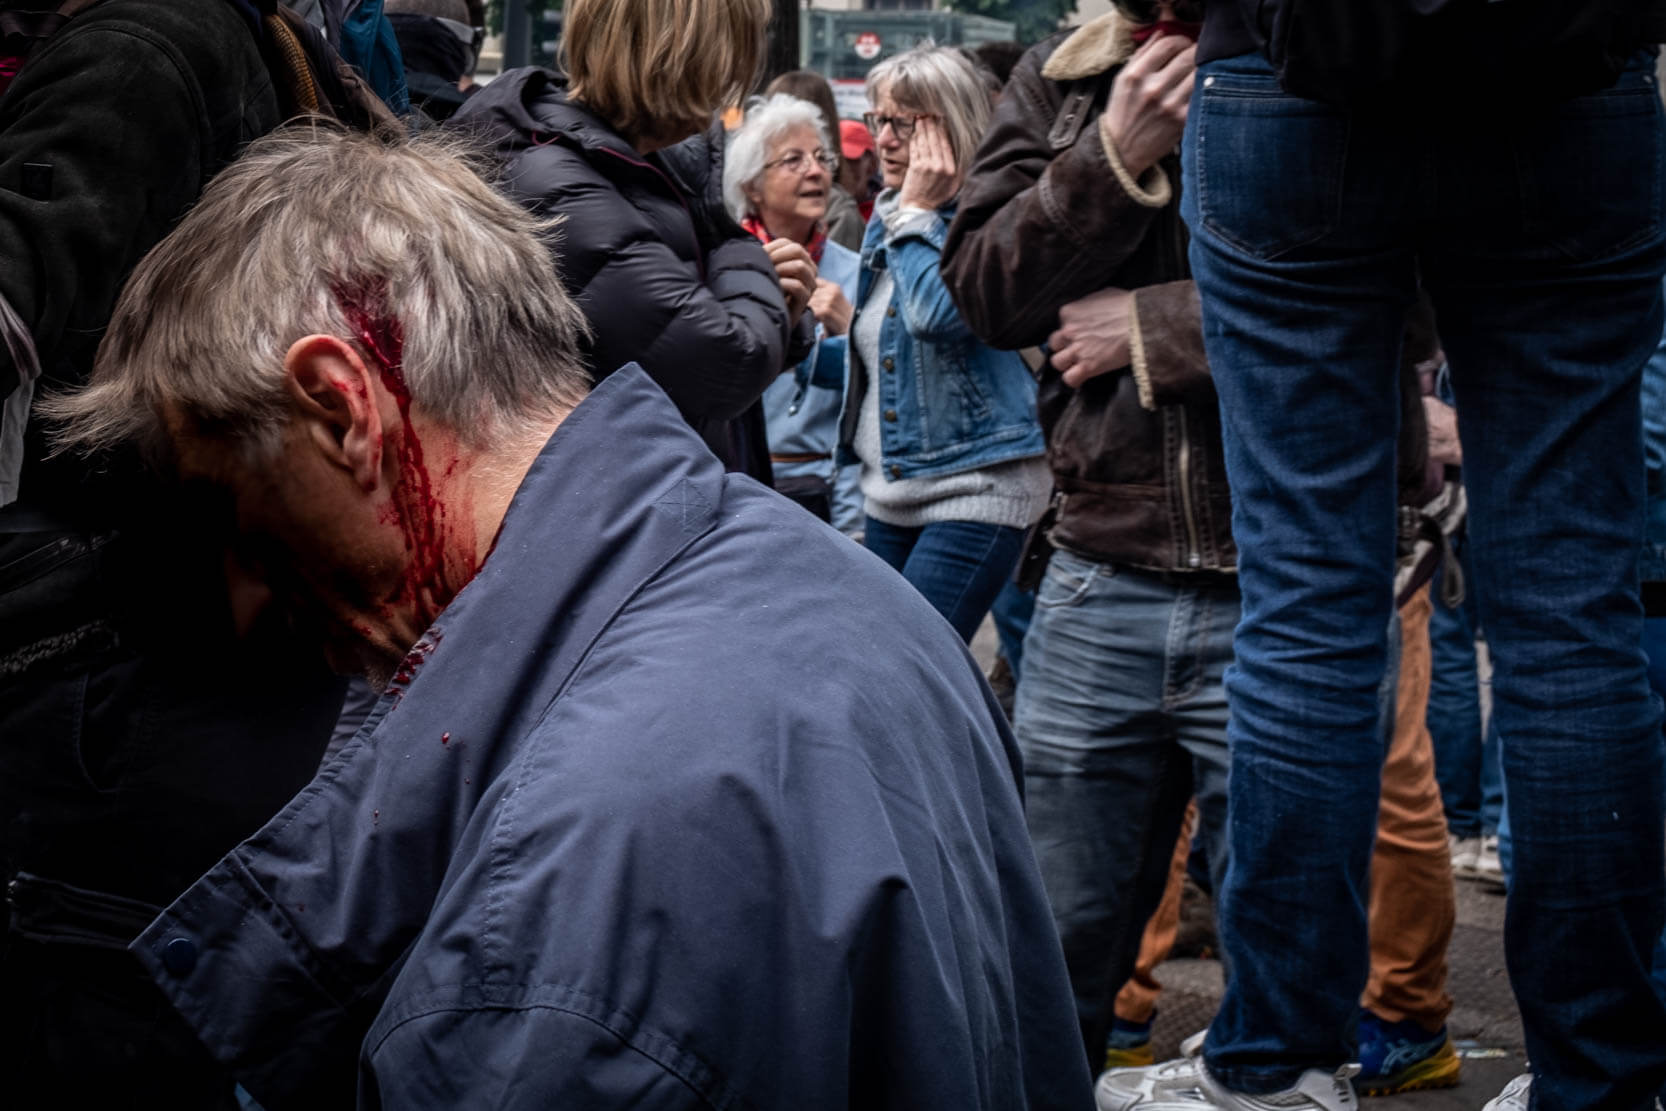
(486, 568)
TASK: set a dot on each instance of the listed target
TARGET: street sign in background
(844, 45)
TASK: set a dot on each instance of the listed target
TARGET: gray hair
(362, 237)
(937, 81)
(767, 119)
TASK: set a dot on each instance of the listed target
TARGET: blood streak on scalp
(420, 514)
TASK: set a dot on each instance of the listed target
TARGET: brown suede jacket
(1049, 214)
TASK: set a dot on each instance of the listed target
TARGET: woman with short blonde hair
(626, 149)
(659, 69)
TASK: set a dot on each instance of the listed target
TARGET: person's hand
(796, 271)
(830, 306)
(1093, 335)
(1444, 447)
(1147, 110)
(932, 179)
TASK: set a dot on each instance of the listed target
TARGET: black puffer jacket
(664, 276)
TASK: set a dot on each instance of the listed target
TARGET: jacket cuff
(1152, 190)
(1165, 346)
(916, 222)
(1137, 362)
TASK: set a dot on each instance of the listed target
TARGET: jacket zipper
(1194, 557)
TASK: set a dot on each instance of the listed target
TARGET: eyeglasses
(798, 162)
(901, 126)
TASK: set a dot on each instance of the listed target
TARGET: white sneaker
(1465, 851)
(1315, 1091)
(1155, 1087)
(1184, 1084)
(1489, 869)
(1515, 1095)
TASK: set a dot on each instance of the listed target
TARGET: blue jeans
(959, 566)
(1466, 760)
(1011, 611)
(1540, 241)
(1121, 718)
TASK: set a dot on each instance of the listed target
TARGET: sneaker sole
(1439, 1071)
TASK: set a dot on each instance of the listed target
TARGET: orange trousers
(1412, 901)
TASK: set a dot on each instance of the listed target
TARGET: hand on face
(932, 179)
(1092, 338)
(1147, 110)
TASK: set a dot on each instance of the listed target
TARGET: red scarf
(9, 66)
(818, 237)
(1140, 35)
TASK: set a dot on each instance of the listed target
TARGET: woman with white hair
(776, 182)
(945, 426)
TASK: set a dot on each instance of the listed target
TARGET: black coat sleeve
(101, 150)
(713, 335)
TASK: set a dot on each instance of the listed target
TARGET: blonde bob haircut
(659, 70)
(937, 81)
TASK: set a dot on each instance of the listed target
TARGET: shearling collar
(1094, 48)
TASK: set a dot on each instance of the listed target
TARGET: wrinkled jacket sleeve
(1165, 345)
(726, 339)
(95, 106)
(1036, 228)
(532, 1057)
(712, 337)
(914, 251)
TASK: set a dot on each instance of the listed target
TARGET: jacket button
(896, 471)
(179, 956)
(891, 310)
(888, 363)
(890, 414)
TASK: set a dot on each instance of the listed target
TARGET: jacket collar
(280, 956)
(529, 106)
(1091, 49)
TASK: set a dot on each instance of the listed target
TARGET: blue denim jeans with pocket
(1121, 718)
(1539, 238)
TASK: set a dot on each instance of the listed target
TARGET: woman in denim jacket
(944, 426)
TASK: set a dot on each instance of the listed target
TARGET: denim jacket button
(888, 363)
(896, 471)
(890, 414)
(179, 956)
(891, 310)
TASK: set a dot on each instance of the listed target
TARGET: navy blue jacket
(685, 801)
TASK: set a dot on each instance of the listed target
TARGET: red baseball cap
(855, 139)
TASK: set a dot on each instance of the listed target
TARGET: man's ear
(339, 405)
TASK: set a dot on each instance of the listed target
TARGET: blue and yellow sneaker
(1397, 1057)
(1129, 1044)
